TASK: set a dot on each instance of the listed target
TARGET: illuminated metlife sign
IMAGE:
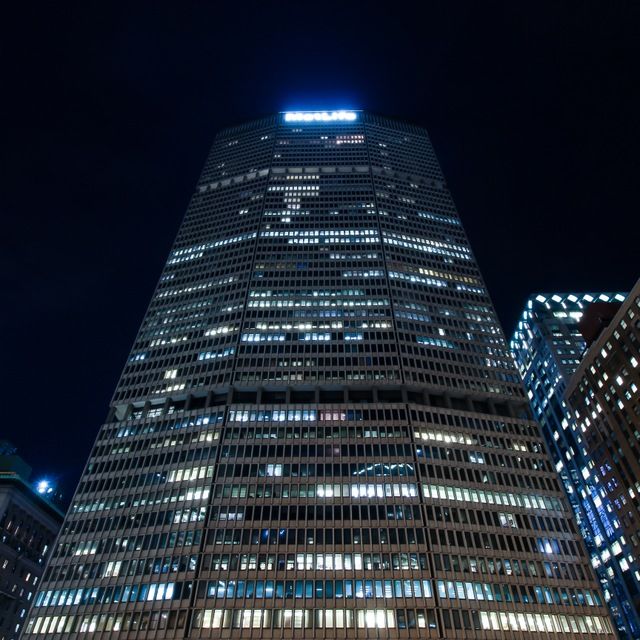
(320, 116)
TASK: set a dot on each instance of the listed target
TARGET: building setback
(28, 527)
(320, 429)
(548, 347)
(603, 394)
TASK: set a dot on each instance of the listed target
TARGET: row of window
(311, 470)
(526, 594)
(110, 622)
(310, 513)
(464, 494)
(188, 422)
(315, 562)
(130, 543)
(398, 618)
(399, 490)
(113, 594)
(535, 623)
(258, 589)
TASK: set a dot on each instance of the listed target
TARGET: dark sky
(109, 109)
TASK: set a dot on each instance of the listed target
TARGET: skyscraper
(548, 348)
(320, 429)
(603, 394)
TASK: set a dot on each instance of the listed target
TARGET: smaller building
(604, 394)
(29, 524)
(548, 345)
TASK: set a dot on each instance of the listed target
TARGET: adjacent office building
(605, 400)
(29, 524)
(320, 430)
(548, 346)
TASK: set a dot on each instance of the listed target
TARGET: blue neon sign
(320, 116)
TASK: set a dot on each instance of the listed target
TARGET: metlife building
(320, 431)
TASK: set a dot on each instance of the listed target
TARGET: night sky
(109, 111)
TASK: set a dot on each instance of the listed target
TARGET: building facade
(320, 429)
(548, 347)
(605, 401)
(29, 525)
